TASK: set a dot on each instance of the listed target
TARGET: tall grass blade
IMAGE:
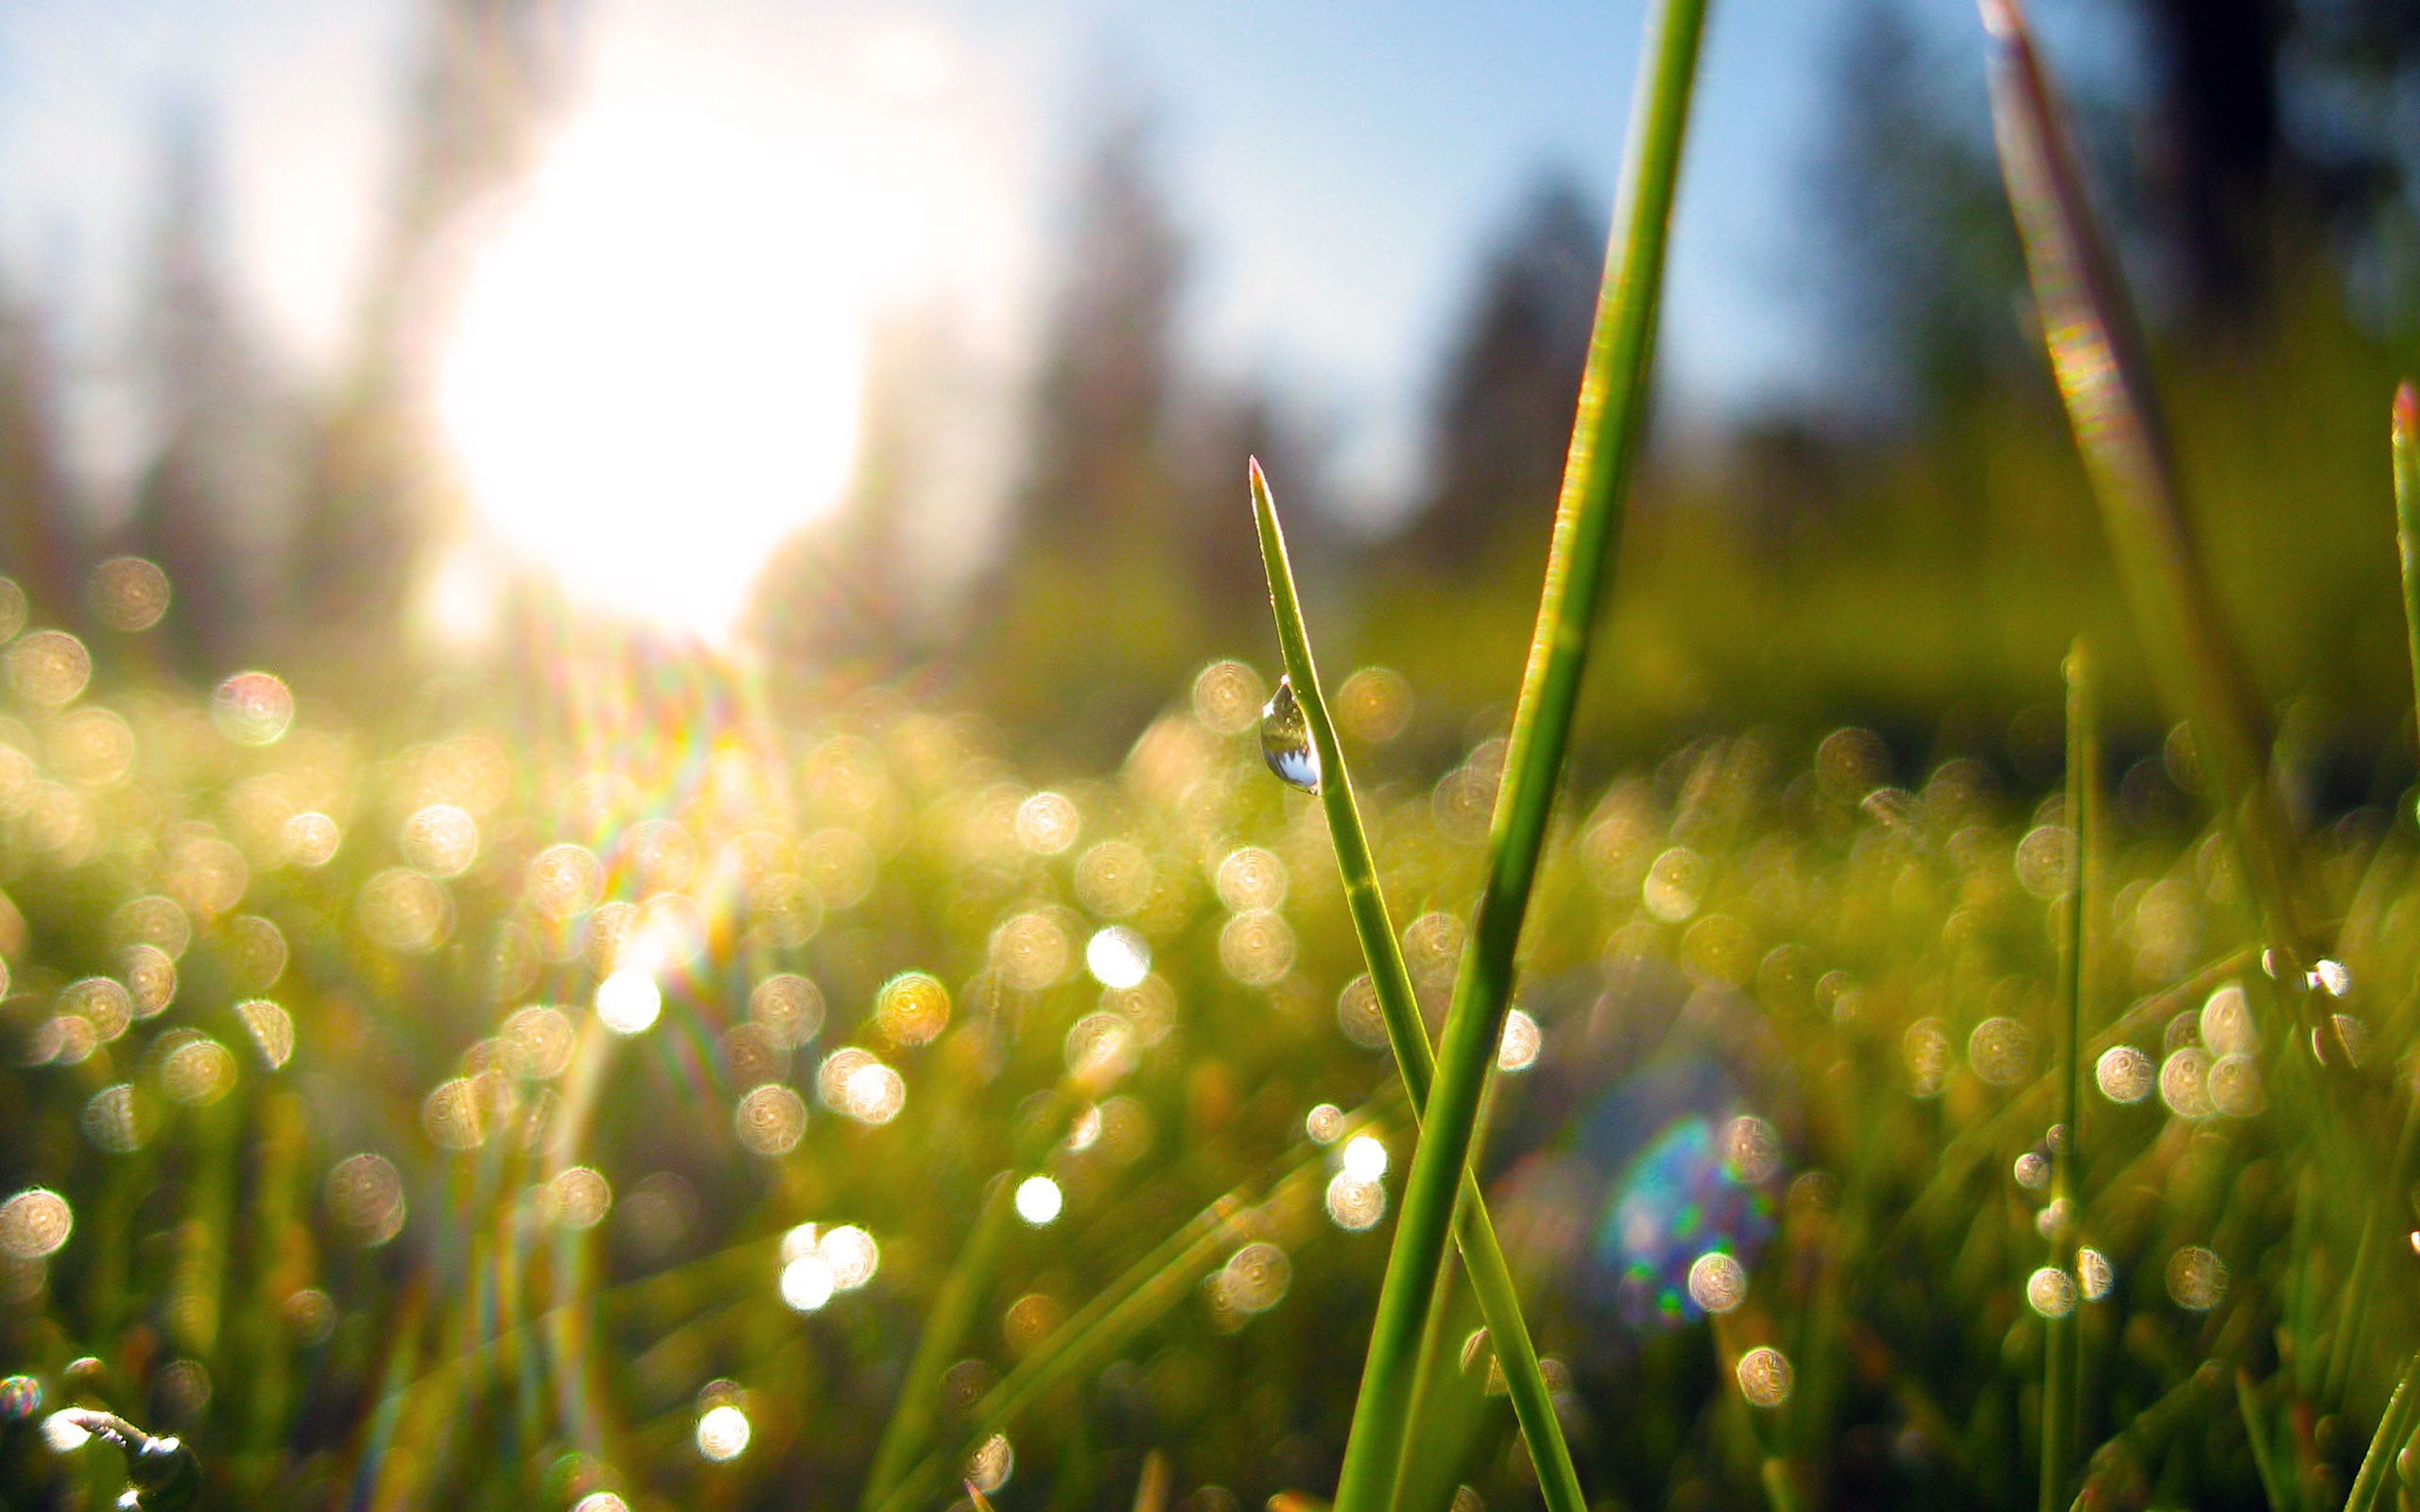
(2404, 445)
(2096, 356)
(2061, 1355)
(1604, 445)
(911, 1427)
(2371, 1482)
(1491, 1277)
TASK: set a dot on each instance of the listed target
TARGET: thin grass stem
(2062, 1355)
(2394, 1425)
(1365, 902)
(1604, 446)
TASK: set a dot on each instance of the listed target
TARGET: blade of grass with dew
(2394, 1425)
(2063, 1340)
(1604, 444)
(2095, 356)
(1491, 1277)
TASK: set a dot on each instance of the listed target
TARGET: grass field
(603, 1094)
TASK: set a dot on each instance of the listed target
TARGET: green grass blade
(1091, 1335)
(1604, 445)
(911, 1427)
(2371, 1480)
(1490, 1276)
(2096, 353)
(2061, 1355)
(2405, 445)
(2273, 1482)
(2352, 1313)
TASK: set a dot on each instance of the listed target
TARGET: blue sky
(1339, 166)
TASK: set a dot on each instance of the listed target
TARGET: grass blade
(2062, 1355)
(2096, 353)
(2394, 1425)
(1491, 1277)
(1604, 444)
(2404, 441)
(911, 1427)
(1143, 1293)
(2404, 436)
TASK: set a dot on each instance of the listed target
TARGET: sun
(655, 371)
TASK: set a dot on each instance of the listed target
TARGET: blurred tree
(1501, 416)
(491, 73)
(2272, 120)
(1128, 557)
(1924, 269)
(832, 607)
(215, 497)
(41, 537)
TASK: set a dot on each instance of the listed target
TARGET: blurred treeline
(1912, 547)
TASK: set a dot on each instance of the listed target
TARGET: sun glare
(655, 372)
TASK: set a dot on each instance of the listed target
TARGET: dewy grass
(1091, 1335)
(1604, 444)
(2096, 353)
(2061, 1355)
(1491, 1277)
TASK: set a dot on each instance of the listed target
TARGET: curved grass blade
(2096, 355)
(2062, 1357)
(1491, 1277)
(1604, 445)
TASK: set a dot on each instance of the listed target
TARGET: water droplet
(853, 1256)
(806, 1284)
(1766, 1376)
(2033, 1170)
(1519, 1049)
(1257, 1277)
(989, 1468)
(1039, 1200)
(34, 1223)
(1355, 1203)
(1286, 739)
(1717, 1282)
(629, 1001)
(2051, 1291)
(2094, 1274)
(769, 1120)
(2197, 1279)
(1325, 1123)
(1118, 957)
(723, 1432)
(2125, 1074)
(1365, 1157)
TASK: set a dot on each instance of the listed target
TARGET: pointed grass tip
(2407, 413)
(1251, 471)
(2002, 18)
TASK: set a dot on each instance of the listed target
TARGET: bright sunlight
(655, 374)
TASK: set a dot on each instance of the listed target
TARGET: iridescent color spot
(1681, 1198)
